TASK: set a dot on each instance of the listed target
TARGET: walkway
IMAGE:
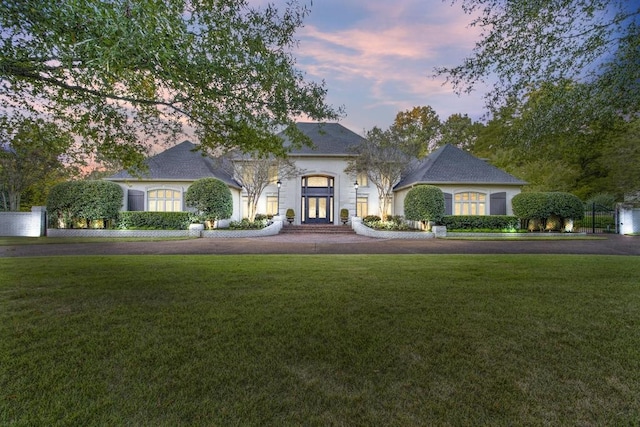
(323, 244)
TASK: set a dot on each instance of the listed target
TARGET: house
(322, 189)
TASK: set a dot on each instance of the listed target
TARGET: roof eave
(458, 183)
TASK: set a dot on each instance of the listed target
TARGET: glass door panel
(313, 207)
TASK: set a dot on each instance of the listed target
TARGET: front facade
(322, 188)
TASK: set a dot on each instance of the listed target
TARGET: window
(470, 203)
(164, 200)
(273, 173)
(362, 207)
(363, 180)
(272, 205)
(318, 181)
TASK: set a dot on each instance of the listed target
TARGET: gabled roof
(184, 162)
(451, 165)
(331, 139)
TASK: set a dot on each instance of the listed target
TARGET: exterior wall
(182, 186)
(453, 189)
(344, 192)
(23, 224)
(291, 191)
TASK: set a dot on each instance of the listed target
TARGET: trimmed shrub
(61, 205)
(211, 197)
(84, 201)
(138, 220)
(424, 203)
(393, 223)
(547, 210)
(481, 222)
(245, 224)
(531, 206)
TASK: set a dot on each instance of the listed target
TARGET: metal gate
(598, 219)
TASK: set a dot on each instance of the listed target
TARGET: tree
(459, 130)
(382, 158)
(211, 197)
(255, 172)
(417, 130)
(31, 155)
(424, 203)
(85, 201)
(120, 73)
(528, 44)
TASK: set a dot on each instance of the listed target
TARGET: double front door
(317, 200)
(318, 210)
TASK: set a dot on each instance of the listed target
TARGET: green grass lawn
(320, 340)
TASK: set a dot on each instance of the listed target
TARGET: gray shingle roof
(451, 165)
(331, 139)
(178, 163)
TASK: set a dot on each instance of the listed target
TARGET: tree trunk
(14, 201)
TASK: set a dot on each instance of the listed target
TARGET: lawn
(320, 340)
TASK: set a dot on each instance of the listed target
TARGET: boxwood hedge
(481, 222)
(139, 220)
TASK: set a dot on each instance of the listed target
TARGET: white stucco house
(471, 185)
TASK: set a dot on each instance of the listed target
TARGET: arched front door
(317, 200)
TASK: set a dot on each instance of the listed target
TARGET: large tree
(525, 45)
(417, 130)
(255, 172)
(32, 155)
(595, 158)
(383, 158)
(122, 73)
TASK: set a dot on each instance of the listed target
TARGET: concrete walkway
(323, 244)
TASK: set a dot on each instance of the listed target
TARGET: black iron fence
(598, 219)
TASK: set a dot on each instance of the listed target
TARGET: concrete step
(316, 229)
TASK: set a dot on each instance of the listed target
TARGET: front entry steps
(316, 229)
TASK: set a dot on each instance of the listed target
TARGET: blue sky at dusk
(377, 57)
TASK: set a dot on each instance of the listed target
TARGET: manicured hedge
(547, 210)
(139, 220)
(80, 202)
(481, 222)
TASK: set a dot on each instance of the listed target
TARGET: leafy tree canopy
(527, 44)
(121, 73)
(384, 158)
(32, 157)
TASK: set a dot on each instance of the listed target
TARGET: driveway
(323, 244)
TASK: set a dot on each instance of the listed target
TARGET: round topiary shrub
(212, 198)
(83, 202)
(424, 203)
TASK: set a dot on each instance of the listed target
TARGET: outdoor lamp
(355, 185)
(279, 184)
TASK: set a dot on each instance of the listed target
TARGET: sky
(377, 57)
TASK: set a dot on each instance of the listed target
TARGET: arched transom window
(470, 203)
(164, 200)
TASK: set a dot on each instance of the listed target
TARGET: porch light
(355, 185)
(279, 184)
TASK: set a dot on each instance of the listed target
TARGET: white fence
(23, 224)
